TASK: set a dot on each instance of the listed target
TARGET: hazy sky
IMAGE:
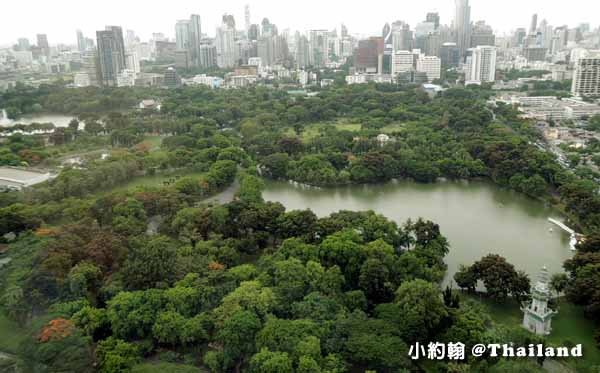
(60, 18)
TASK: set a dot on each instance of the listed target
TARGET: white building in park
(481, 65)
(537, 317)
(12, 178)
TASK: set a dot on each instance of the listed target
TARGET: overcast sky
(60, 18)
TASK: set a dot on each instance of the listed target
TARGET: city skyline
(145, 21)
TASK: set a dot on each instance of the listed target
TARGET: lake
(478, 218)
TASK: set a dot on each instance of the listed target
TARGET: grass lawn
(152, 180)
(154, 141)
(568, 325)
(10, 335)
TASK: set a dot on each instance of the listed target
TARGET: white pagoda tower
(537, 316)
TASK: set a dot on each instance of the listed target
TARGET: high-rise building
(433, 18)
(182, 34)
(462, 25)
(171, 79)
(42, 43)
(369, 56)
(253, 32)
(111, 54)
(247, 18)
(430, 65)
(195, 37)
(482, 34)
(208, 53)
(225, 43)
(319, 48)
(302, 51)
(402, 37)
(449, 55)
(533, 26)
(81, 43)
(229, 20)
(403, 61)
(343, 31)
(23, 44)
(481, 65)
(586, 77)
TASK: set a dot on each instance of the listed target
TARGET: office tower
(430, 65)
(402, 61)
(386, 33)
(208, 53)
(343, 31)
(229, 21)
(111, 54)
(267, 28)
(182, 34)
(247, 18)
(462, 25)
(519, 37)
(369, 56)
(195, 37)
(481, 65)
(433, 18)
(42, 43)
(225, 43)
(81, 44)
(533, 26)
(586, 77)
(302, 51)
(402, 37)
(23, 44)
(319, 48)
(253, 32)
(482, 34)
(132, 61)
(266, 50)
(449, 55)
(118, 32)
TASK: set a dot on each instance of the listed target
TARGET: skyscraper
(586, 77)
(42, 43)
(533, 26)
(462, 25)
(433, 18)
(225, 43)
(247, 18)
(194, 39)
(182, 34)
(319, 48)
(481, 65)
(111, 54)
(81, 43)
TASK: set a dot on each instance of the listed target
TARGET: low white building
(12, 178)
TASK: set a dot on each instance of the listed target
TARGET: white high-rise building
(586, 76)
(430, 65)
(132, 61)
(225, 43)
(402, 61)
(481, 65)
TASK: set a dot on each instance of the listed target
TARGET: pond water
(478, 218)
